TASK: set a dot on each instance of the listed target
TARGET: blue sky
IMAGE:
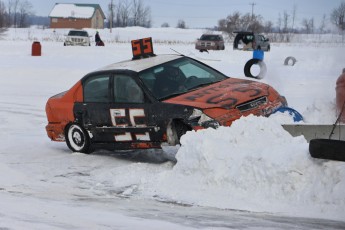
(202, 13)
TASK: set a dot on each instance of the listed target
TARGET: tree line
(15, 13)
(123, 13)
(286, 22)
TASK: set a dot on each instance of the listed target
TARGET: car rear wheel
(77, 138)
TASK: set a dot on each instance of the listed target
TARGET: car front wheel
(175, 130)
(77, 138)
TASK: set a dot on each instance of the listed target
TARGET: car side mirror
(267, 39)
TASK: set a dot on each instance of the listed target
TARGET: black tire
(77, 138)
(176, 129)
(327, 149)
(250, 63)
(288, 59)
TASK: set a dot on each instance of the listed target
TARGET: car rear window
(210, 37)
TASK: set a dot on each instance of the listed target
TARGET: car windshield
(78, 33)
(178, 77)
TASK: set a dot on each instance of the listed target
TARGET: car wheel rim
(76, 137)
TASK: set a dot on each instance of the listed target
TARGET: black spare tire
(327, 149)
(250, 63)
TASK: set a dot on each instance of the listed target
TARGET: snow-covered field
(252, 175)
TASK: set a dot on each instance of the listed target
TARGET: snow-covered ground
(252, 175)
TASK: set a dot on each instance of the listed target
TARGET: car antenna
(177, 52)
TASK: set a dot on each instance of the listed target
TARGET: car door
(130, 114)
(115, 110)
(94, 110)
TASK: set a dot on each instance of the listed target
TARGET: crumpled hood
(226, 94)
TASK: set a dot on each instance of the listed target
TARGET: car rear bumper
(55, 131)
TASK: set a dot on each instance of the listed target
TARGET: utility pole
(253, 4)
(111, 16)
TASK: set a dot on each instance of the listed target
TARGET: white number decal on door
(133, 114)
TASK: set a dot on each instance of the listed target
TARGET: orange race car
(145, 102)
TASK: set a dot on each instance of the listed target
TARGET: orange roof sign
(142, 48)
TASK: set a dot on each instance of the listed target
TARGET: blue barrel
(258, 54)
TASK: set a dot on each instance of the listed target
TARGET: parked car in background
(77, 38)
(251, 41)
(210, 42)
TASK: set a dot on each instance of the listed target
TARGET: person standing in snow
(98, 40)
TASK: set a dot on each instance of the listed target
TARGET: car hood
(226, 94)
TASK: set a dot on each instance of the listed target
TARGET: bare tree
(246, 21)
(9, 13)
(181, 24)
(111, 14)
(308, 25)
(117, 17)
(141, 14)
(15, 12)
(279, 23)
(230, 23)
(236, 21)
(286, 17)
(294, 11)
(268, 27)
(256, 24)
(323, 24)
(338, 17)
(2, 14)
(124, 9)
(24, 11)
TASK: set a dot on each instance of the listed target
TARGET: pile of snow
(254, 165)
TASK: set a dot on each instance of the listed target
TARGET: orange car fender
(62, 114)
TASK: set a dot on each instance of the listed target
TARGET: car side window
(96, 89)
(126, 90)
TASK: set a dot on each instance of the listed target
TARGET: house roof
(64, 10)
